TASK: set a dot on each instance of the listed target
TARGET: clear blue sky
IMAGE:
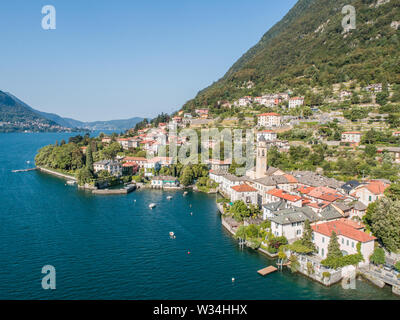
(119, 59)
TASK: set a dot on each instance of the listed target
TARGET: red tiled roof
(269, 114)
(283, 195)
(134, 159)
(290, 178)
(305, 190)
(267, 131)
(325, 193)
(343, 229)
(129, 164)
(377, 187)
(244, 188)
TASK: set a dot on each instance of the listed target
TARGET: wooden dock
(267, 270)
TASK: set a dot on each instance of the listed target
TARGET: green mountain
(309, 48)
(16, 115)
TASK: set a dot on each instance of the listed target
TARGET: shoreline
(56, 173)
(370, 280)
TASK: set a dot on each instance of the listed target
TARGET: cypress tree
(306, 240)
(334, 247)
(89, 158)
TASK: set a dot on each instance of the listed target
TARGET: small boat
(152, 205)
(172, 235)
(134, 200)
(71, 182)
(185, 193)
(169, 197)
(28, 162)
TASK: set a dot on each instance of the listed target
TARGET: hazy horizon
(108, 61)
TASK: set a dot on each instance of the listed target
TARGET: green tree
(370, 150)
(84, 175)
(239, 210)
(385, 223)
(393, 192)
(378, 257)
(187, 176)
(334, 247)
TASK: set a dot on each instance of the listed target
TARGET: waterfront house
(245, 193)
(370, 191)
(348, 235)
(290, 222)
(113, 167)
(151, 166)
(228, 181)
(164, 182)
(216, 175)
(140, 161)
(130, 168)
(271, 119)
(269, 209)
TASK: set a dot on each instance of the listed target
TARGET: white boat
(185, 193)
(71, 182)
(172, 235)
(152, 205)
(169, 197)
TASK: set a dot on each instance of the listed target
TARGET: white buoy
(233, 279)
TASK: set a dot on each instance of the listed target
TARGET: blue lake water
(110, 247)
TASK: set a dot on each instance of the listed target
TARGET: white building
(113, 167)
(348, 235)
(245, 193)
(164, 182)
(370, 192)
(296, 102)
(290, 222)
(351, 137)
(268, 135)
(271, 119)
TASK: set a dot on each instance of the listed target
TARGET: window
(347, 242)
(352, 244)
(370, 198)
(322, 252)
(342, 241)
(323, 240)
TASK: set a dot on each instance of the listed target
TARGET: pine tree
(334, 247)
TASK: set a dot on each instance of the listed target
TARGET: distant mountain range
(16, 115)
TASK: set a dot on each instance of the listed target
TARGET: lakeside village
(323, 197)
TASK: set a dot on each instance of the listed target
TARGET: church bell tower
(261, 160)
